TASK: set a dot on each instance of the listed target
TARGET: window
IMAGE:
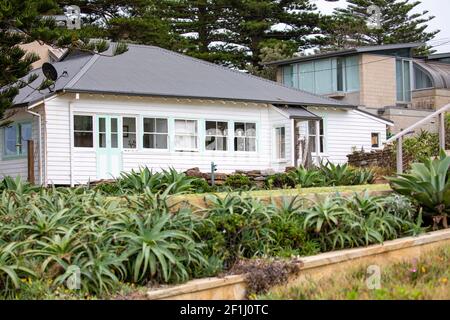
(245, 137)
(326, 76)
(129, 133)
(288, 75)
(156, 133)
(280, 143)
(375, 140)
(403, 80)
(312, 136)
(421, 79)
(186, 135)
(83, 132)
(216, 136)
(15, 139)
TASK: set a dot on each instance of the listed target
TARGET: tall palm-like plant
(429, 184)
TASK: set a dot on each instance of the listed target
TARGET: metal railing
(440, 114)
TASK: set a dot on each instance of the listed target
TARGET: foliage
(421, 146)
(429, 184)
(238, 181)
(307, 178)
(400, 22)
(279, 181)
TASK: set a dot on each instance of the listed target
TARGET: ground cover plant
(425, 278)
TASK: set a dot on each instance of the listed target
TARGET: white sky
(438, 8)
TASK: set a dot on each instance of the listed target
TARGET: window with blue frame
(324, 76)
(15, 139)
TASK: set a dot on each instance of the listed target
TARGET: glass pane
(161, 126)
(400, 93)
(282, 143)
(114, 140)
(239, 144)
(340, 74)
(191, 127)
(222, 128)
(250, 130)
(210, 143)
(250, 144)
(322, 144)
(407, 80)
(323, 76)
(160, 141)
(239, 129)
(312, 127)
(114, 125)
(287, 76)
(102, 125)
(375, 140)
(322, 127)
(83, 123)
(210, 127)
(26, 134)
(149, 125)
(222, 144)
(84, 139)
(352, 73)
(148, 141)
(11, 140)
(306, 76)
(129, 125)
(102, 140)
(312, 144)
(129, 142)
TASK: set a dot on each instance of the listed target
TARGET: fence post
(442, 130)
(400, 155)
(30, 150)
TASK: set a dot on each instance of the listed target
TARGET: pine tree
(398, 24)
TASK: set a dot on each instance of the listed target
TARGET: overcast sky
(438, 8)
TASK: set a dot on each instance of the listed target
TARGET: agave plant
(324, 216)
(17, 185)
(429, 184)
(336, 174)
(307, 178)
(10, 268)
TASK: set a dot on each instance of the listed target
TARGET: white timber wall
(348, 130)
(84, 164)
(278, 119)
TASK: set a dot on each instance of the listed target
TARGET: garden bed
(314, 267)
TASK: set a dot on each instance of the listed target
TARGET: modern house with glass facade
(385, 80)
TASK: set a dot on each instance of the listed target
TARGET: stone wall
(384, 158)
(258, 177)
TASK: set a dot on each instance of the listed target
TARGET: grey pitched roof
(152, 71)
(439, 72)
(365, 49)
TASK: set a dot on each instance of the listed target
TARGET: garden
(124, 237)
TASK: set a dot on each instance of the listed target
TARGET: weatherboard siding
(84, 164)
(346, 130)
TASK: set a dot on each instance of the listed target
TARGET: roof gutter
(137, 94)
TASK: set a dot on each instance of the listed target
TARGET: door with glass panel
(109, 156)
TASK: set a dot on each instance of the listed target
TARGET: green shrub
(429, 184)
(307, 178)
(239, 181)
(201, 186)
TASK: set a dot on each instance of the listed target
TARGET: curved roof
(437, 71)
(152, 71)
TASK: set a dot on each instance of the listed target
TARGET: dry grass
(425, 278)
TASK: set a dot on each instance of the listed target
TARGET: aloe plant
(307, 178)
(429, 184)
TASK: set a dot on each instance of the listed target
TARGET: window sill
(10, 158)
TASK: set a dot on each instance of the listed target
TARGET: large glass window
(312, 136)
(156, 133)
(15, 139)
(216, 136)
(186, 135)
(129, 133)
(403, 80)
(245, 136)
(83, 131)
(421, 79)
(323, 76)
(280, 143)
(288, 75)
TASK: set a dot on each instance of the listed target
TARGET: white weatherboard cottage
(155, 108)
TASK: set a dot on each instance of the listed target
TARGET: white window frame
(206, 135)
(167, 134)
(246, 137)
(175, 134)
(379, 140)
(94, 131)
(322, 136)
(136, 133)
(276, 141)
(20, 153)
